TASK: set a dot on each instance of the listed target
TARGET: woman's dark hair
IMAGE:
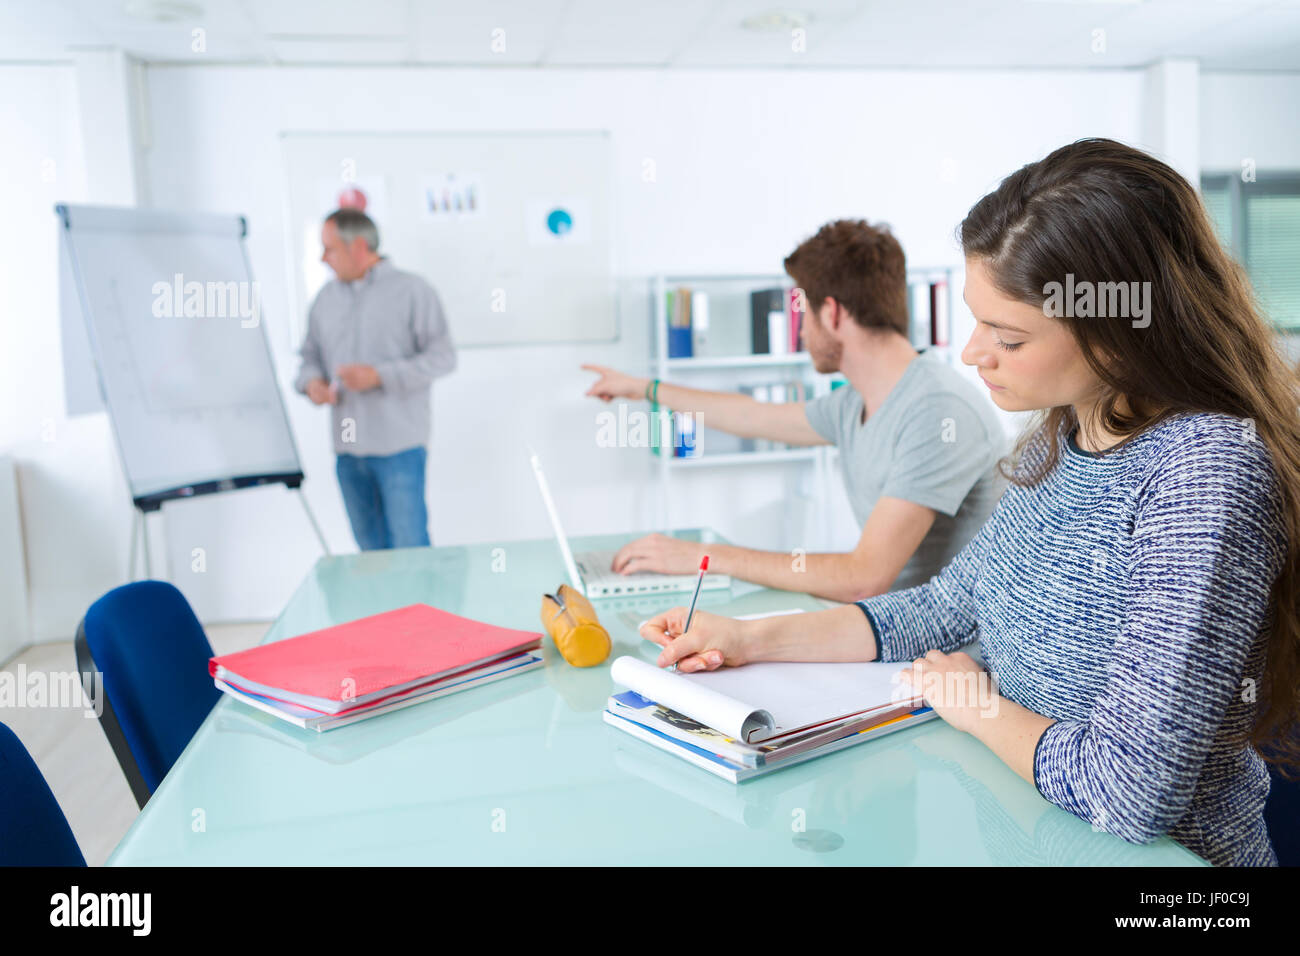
(1104, 212)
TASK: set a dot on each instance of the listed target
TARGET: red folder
(364, 657)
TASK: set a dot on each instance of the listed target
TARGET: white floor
(73, 752)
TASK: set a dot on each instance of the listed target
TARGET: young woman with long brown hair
(1135, 591)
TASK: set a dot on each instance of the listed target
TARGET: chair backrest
(1282, 816)
(33, 830)
(153, 654)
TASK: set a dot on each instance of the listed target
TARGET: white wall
(1250, 116)
(72, 497)
(748, 162)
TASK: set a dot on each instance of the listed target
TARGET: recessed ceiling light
(162, 11)
(775, 21)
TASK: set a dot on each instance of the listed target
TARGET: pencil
(704, 566)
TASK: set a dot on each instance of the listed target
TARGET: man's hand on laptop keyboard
(659, 553)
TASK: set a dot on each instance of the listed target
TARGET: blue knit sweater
(1127, 597)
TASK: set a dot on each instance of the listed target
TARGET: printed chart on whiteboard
(513, 230)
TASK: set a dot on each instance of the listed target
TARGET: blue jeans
(384, 495)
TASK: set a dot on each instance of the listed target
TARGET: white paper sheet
(802, 694)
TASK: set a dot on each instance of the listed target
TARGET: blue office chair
(33, 830)
(153, 654)
(1282, 816)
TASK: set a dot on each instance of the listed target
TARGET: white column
(1171, 123)
(109, 91)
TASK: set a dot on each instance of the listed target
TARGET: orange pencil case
(571, 621)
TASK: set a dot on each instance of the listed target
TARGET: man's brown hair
(860, 266)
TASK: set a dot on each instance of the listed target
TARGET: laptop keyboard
(595, 569)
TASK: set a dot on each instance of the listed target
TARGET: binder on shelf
(919, 321)
(778, 329)
(680, 343)
(796, 319)
(762, 304)
(699, 321)
(929, 323)
(685, 438)
(940, 330)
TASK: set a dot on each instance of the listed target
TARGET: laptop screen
(566, 553)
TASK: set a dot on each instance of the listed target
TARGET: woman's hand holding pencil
(713, 640)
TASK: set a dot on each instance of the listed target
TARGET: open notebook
(763, 701)
(739, 722)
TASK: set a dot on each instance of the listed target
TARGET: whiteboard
(173, 318)
(513, 230)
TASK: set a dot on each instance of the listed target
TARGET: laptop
(590, 572)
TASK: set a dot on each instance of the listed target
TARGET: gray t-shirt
(935, 440)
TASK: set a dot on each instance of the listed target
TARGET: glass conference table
(525, 771)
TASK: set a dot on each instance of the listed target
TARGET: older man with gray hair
(376, 340)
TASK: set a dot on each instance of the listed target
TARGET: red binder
(351, 663)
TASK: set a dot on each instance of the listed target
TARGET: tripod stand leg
(135, 530)
(144, 536)
(312, 518)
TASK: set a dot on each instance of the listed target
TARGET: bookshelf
(747, 457)
(722, 358)
(738, 361)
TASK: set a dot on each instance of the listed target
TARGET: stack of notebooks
(742, 722)
(374, 665)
